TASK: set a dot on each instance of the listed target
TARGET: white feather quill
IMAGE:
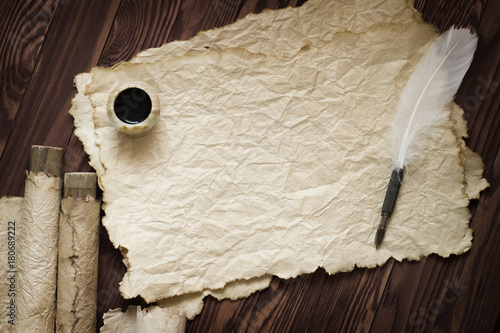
(422, 105)
(430, 88)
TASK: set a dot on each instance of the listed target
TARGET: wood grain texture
(456, 294)
(42, 117)
(138, 26)
(23, 27)
(444, 14)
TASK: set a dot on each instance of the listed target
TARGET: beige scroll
(38, 242)
(10, 216)
(78, 254)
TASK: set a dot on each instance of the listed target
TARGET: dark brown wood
(444, 14)
(43, 117)
(138, 26)
(23, 27)
(59, 39)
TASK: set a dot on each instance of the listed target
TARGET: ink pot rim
(135, 128)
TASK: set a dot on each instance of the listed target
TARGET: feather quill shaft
(421, 107)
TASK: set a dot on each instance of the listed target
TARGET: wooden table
(44, 44)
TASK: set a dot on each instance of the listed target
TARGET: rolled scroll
(10, 216)
(78, 254)
(38, 242)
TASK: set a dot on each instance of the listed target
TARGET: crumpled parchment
(37, 269)
(271, 155)
(10, 224)
(192, 303)
(77, 265)
(149, 320)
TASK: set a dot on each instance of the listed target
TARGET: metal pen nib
(389, 202)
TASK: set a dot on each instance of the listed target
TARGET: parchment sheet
(38, 254)
(474, 182)
(149, 320)
(271, 155)
(10, 224)
(77, 265)
(192, 303)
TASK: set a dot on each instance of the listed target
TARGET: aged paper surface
(10, 218)
(77, 265)
(37, 267)
(149, 320)
(271, 155)
(472, 162)
(192, 303)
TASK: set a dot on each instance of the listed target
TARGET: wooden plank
(23, 28)
(224, 316)
(255, 6)
(446, 13)
(343, 302)
(42, 117)
(75, 158)
(309, 303)
(195, 16)
(478, 307)
(139, 26)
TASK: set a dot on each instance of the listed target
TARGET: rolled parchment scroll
(37, 267)
(78, 254)
(10, 216)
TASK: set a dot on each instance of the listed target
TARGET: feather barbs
(430, 88)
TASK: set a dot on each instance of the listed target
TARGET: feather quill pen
(422, 106)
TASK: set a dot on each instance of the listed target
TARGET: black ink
(132, 106)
